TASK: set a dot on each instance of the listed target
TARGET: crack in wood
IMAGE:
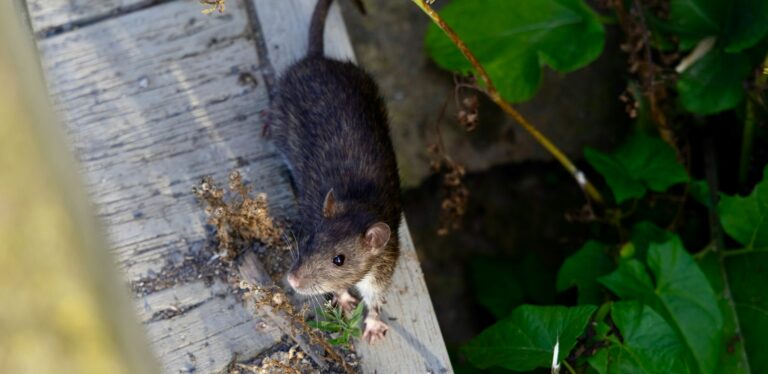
(265, 66)
(174, 311)
(51, 31)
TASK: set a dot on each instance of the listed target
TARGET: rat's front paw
(375, 330)
(346, 301)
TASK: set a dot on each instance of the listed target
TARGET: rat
(330, 123)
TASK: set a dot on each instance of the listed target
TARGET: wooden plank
(414, 343)
(153, 101)
(284, 25)
(47, 14)
(64, 308)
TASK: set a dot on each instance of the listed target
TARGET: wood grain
(152, 102)
(47, 14)
(158, 97)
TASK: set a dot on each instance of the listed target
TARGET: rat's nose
(293, 280)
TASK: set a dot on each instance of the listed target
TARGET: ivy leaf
(746, 218)
(514, 39)
(748, 275)
(642, 162)
(526, 339)
(582, 270)
(714, 83)
(681, 294)
(650, 345)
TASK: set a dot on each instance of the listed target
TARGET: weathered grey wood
(152, 103)
(284, 25)
(45, 14)
(211, 325)
(414, 343)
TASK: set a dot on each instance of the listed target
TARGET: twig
(495, 96)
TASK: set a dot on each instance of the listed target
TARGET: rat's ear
(331, 207)
(377, 236)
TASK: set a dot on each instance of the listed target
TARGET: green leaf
(748, 277)
(644, 233)
(699, 191)
(496, 286)
(582, 270)
(738, 24)
(746, 24)
(681, 294)
(698, 17)
(619, 179)
(357, 315)
(629, 281)
(514, 39)
(650, 345)
(714, 83)
(641, 162)
(526, 339)
(733, 358)
(325, 326)
(339, 340)
(746, 218)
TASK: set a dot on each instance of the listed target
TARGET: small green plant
(332, 319)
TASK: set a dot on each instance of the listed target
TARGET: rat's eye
(338, 260)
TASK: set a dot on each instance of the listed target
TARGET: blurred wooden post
(63, 308)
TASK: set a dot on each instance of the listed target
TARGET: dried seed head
(219, 212)
(470, 102)
(278, 299)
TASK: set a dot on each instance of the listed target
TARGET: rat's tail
(317, 28)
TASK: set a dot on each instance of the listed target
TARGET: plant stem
(603, 311)
(743, 251)
(569, 367)
(718, 236)
(746, 142)
(747, 137)
(495, 96)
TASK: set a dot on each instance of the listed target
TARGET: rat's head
(340, 251)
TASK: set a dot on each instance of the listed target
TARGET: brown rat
(330, 123)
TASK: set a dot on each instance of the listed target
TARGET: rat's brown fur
(330, 123)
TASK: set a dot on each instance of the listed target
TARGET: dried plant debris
(213, 6)
(284, 357)
(240, 219)
(341, 359)
(240, 223)
(199, 264)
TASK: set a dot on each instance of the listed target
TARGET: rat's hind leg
(371, 292)
(346, 300)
